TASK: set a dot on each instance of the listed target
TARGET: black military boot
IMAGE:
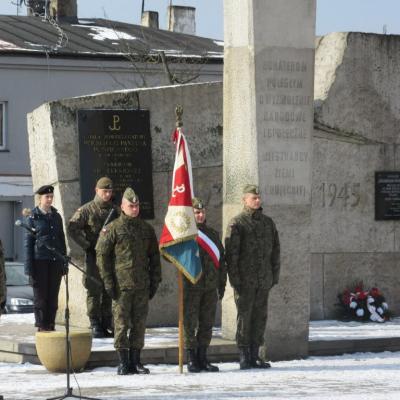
(108, 327)
(244, 354)
(204, 365)
(192, 364)
(97, 329)
(135, 366)
(123, 367)
(255, 360)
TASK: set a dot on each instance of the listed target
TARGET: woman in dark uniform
(42, 265)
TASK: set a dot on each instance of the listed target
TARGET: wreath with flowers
(360, 304)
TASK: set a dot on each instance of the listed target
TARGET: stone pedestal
(268, 121)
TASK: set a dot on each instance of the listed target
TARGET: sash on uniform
(206, 243)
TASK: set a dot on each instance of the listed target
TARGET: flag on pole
(207, 244)
(178, 238)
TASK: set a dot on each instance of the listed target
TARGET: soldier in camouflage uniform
(84, 228)
(253, 262)
(2, 280)
(129, 262)
(200, 299)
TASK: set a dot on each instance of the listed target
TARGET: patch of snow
(103, 33)
(338, 330)
(7, 45)
(85, 22)
(219, 42)
(17, 319)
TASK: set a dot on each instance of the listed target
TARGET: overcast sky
(332, 15)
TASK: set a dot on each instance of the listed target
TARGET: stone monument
(54, 152)
(268, 123)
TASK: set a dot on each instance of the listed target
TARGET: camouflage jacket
(2, 278)
(127, 254)
(85, 225)
(252, 250)
(211, 278)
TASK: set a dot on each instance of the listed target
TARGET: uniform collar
(202, 225)
(252, 213)
(129, 220)
(40, 211)
(101, 203)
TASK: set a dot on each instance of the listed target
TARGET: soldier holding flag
(200, 299)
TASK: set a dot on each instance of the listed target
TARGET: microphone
(18, 222)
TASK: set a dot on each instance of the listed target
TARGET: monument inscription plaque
(284, 120)
(117, 144)
(387, 195)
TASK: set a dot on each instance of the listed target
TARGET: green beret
(197, 203)
(46, 189)
(130, 195)
(249, 188)
(104, 183)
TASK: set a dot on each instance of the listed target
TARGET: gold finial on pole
(178, 114)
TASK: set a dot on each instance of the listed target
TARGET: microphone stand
(66, 261)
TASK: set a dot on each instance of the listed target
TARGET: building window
(3, 110)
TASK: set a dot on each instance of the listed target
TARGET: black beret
(45, 189)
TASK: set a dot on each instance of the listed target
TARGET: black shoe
(244, 354)
(123, 367)
(135, 366)
(256, 361)
(192, 364)
(203, 363)
(97, 329)
(108, 332)
(108, 327)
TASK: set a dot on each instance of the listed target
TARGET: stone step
(338, 347)
(220, 350)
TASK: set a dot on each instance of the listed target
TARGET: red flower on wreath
(374, 292)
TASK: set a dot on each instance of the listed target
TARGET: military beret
(249, 188)
(197, 203)
(104, 183)
(45, 189)
(130, 195)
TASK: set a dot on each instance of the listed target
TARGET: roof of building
(99, 38)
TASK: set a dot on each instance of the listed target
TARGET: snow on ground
(350, 377)
(361, 376)
(337, 330)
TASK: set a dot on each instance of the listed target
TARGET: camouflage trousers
(199, 308)
(130, 313)
(252, 312)
(98, 302)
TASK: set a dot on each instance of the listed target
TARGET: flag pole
(179, 124)
(180, 286)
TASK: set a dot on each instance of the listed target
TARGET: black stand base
(68, 395)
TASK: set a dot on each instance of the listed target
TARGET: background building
(56, 55)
